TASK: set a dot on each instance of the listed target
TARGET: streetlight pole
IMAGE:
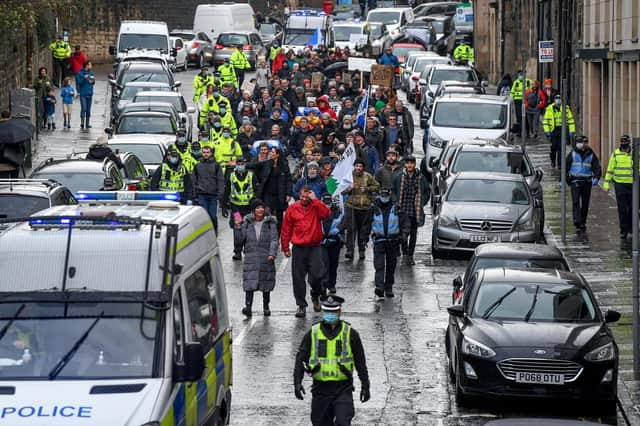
(635, 203)
(563, 163)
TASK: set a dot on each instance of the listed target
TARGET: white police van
(114, 312)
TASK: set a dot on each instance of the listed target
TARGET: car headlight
(436, 141)
(446, 221)
(603, 353)
(472, 347)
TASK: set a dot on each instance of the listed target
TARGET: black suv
(24, 197)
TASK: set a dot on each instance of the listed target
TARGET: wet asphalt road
(403, 337)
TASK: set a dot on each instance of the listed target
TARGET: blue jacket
(85, 87)
(318, 185)
(67, 93)
(389, 60)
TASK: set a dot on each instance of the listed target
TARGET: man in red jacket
(302, 227)
(76, 62)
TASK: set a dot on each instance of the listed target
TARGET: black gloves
(299, 391)
(365, 395)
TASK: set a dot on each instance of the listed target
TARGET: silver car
(177, 100)
(198, 45)
(483, 208)
(250, 41)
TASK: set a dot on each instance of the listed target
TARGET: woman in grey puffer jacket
(260, 242)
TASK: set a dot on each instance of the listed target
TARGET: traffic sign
(545, 51)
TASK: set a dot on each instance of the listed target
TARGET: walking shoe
(379, 292)
(316, 304)
(300, 312)
(332, 290)
(237, 256)
(266, 312)
(53, 126)
(410, 260)
(389, 293)
(348, 255)
(246, 311)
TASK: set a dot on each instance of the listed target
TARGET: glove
(595, 181)
(225, 213)
(365, 395)
(189, 202)
(299, 391)
(548, 135)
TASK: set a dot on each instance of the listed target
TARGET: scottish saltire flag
(317, 39)
(362, 110)
(342, 175)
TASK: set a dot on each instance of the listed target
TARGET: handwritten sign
(382, 75)
(316, 79)
(361, 64)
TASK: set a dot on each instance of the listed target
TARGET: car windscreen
(184, 36)
(438, 26)
(267, 29)
(423, 63)
(75, 181)
(528, 301)
(453, 75)
(148, 154)
(470, 115)
(143, 41)
(375, 30)
(501, 262)
(423, 34)
(91, 335)
(405, 51)
(384, 17)
(176, 101)
(130, 92)
(343, 33)
(144, 76)
(17, 205)
(231, 39)
(159, 125)
(298, 38)
(491, 161)
(488, 191)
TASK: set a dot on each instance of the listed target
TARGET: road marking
(244, 331)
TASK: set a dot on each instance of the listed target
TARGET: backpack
(533, 99)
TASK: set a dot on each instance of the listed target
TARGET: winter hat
(246, 121)
(311, 164)
(379, 105)
(255, 203)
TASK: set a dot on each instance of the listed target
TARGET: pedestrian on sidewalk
(620, 172)
(410, 193)
(209, 183)
(333, 231)
(41, 85)
(302, 227)
(67, 93)
(533, 101)
(329, 352)
(239, 189)
(583, 172)
(76, 61)
(386, 241)
(50, 109)
(259, 235)
(85, 80)
(519, 86)
(553, 128)
(504, 87)
(358, 209)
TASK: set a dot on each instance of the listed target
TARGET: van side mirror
(108, 131)
(112, 51)
(192, 368)
(484, 83)
(611, 316)
(456, 311)
(177, 84)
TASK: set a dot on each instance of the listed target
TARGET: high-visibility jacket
(273, 52)
(227, 149)
(61, 49)
(227, 120)
(620, 169)
(241, 191)
(239, 61)
(325, 362)
(381, 232)
(517, 90)
(463, 53)
(581, 167)
(553, 119)
(213, 104)
(215, 134)
(227, 74)
(187, 159)
(200, 84)
(172, 180)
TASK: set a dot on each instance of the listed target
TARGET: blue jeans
(85, 105)
(210, 204)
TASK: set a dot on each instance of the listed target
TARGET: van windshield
(470, 115)
(36, 337)
(143, 41)
(298, 38)
(344, 33)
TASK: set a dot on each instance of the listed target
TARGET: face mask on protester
(240, 168)
(312, 174)
(330, 317)
(579, 146)
(197, 153)
(173, 160)
(225, 134)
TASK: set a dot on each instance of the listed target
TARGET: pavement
(403, 337)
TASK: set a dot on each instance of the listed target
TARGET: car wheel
(411, 99)
(200, 61)
(186, 65)
(452, 371)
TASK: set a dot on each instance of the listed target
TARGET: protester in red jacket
(277, 62)
(323, 106)
(77, 60)
(302, 227)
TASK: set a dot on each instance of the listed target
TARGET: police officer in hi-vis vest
(172, 176)
(329, 353)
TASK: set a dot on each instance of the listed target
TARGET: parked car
(134, 175)
(250, 41)
(407, 67)
(177, 45)
(24, 197)
(147, 148)
(420, 65)
(81, 175)
(143, 71)
(445, 28)
(160, 124)
(269, 32)
(176, 99)
(129, 91)
(509, 255)
(482, 208)
(198, 46)
(532, 333)
(403, 50)
(436, 8)
(165, 107)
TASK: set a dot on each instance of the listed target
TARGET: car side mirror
(457, 283)
(192, 368)
(184, 120)
(112, 51)
(456, 311)
(430, 94)
(611, 316)
(108, 131)
(422, 82)
(539, 174)
(434, 162)
(177, 84)
(191, 110)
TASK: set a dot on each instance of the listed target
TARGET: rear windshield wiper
(487, 313)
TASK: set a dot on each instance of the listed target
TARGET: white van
(114, 312)
(213, 19)
(143, 36)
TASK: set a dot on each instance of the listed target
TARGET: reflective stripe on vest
(172, 180)
(393, 225)
(622, 172)
(241, 191)
(326, 367)
(581, 167)
(60, 50)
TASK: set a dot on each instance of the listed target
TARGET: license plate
(126, 196)
(485, 238)
(540, 378)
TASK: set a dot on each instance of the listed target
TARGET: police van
(114, 312)
(306, 28)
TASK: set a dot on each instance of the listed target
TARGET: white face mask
(579, 146)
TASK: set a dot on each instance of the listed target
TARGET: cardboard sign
(361, 64)
(248, 86)
(316, 79)
(382, 75)
(358, 39)
(346, 77)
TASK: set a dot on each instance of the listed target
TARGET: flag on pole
(362, 110)
(317, 39)
(342, 175)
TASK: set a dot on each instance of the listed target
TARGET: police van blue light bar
(124, 196)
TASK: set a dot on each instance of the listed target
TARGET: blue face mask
(173, 160)
(216, 94)
(558, 101)
(196, 153)
(182, 140)
(330, 317)
(217, 125)
(225, 134)
(385, 199)
(223, 111)
(240, 168)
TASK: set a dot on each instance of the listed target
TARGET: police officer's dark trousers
(556, 141)
(409, 232)
(580, 195)
(306, 260)
(624, 194)
(385, 259)
(358, 224)
(329, 410)
(237, 233)
(331, 258)
(518, 105)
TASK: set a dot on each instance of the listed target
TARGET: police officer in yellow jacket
(463, 53)
(172, 176)
(552, 124)
(620, 172)
(200, 83)
(330, 352)
(184, 150)
(227, 149)
(227, 73)
(519, 86)
(239, 190)
(239, 63)
(214, 103)
(61, 53)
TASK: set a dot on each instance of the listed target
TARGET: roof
(474, 98)
(145, 114)
(243, 32)
(518, 251)
(531, 275)
(69, 166)
(150, 107)
(452, 67)
(136, 138)
(490, 176)
(491, 145)
(38, 187)
(146, 84)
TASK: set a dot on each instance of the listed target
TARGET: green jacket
(360, 199)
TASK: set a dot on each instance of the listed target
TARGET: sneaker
(316, 304)
(246, 311)
(379, 292)
(237, 256)
(348, 255)
(410, 260)
(300, 312)
(332, 290)
(389, 293)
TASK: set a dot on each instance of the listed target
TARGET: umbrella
(15, 131)
(272, 143)
(337, 67)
